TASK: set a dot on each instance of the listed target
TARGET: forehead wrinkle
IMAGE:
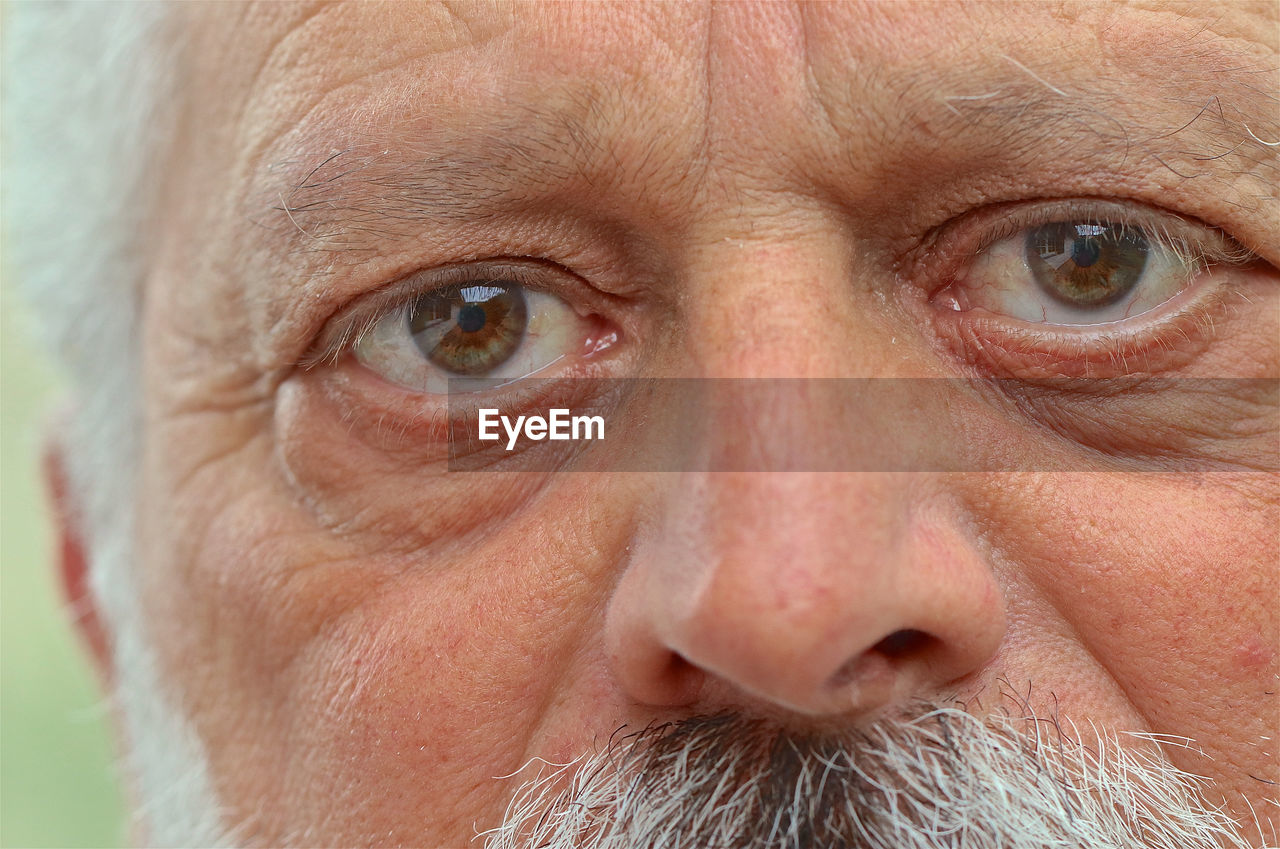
(325, 56)
(398, 180)
(1139, 112)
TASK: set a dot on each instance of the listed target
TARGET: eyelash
(1003, 347)
(947, 249)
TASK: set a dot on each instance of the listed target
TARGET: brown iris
(1086, 265)
(470, 330)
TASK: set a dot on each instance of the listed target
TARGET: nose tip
(811, 615)
(825, 658)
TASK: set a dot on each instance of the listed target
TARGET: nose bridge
(796, 534)
(795, 351)
(777, 304)
(778, 288)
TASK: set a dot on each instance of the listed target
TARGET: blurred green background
(57, 783)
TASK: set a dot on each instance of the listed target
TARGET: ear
(73, 565)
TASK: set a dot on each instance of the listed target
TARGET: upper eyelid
(344, 329)
(961, 239)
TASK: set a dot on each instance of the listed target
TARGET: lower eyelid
(1160, 340)
(412, 426)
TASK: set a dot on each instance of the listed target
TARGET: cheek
(430, 684)
(1194, 555)
(449, 676)
(354, 635)
(358, 469)
(1168, 581)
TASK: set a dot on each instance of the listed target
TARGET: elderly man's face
(1053, 226)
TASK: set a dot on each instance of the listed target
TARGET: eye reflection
(1086, 265)
(469, 330)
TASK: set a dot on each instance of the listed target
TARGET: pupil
(471, 318)
(1085, 252)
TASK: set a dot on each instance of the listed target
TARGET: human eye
(496, 320)
(1078, 288)
(1126, 329)
(485, 328)
(1078, 273)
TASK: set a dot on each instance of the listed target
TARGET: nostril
(878, 661)
(683, 680)
(904, 642)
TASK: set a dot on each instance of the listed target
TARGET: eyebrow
(416, 175)
(1032, 109)
(391, 183)
(370, 188)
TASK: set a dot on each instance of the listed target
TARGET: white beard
(944, 778)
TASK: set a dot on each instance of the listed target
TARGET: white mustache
(942, 778)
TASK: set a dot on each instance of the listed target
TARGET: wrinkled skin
(363, 640)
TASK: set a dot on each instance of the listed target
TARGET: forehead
(321, 72)
(668, 92)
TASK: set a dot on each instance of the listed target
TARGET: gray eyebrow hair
(1217, 128)
(372, 189)
(352, 198)
(1224, 130)
(389, 185)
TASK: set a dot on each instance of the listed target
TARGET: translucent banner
(865, 425)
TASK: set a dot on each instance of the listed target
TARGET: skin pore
(364, 641)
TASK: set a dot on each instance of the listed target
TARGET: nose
(793, 571)
(817, 593)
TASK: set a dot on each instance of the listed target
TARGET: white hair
(89, 112)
